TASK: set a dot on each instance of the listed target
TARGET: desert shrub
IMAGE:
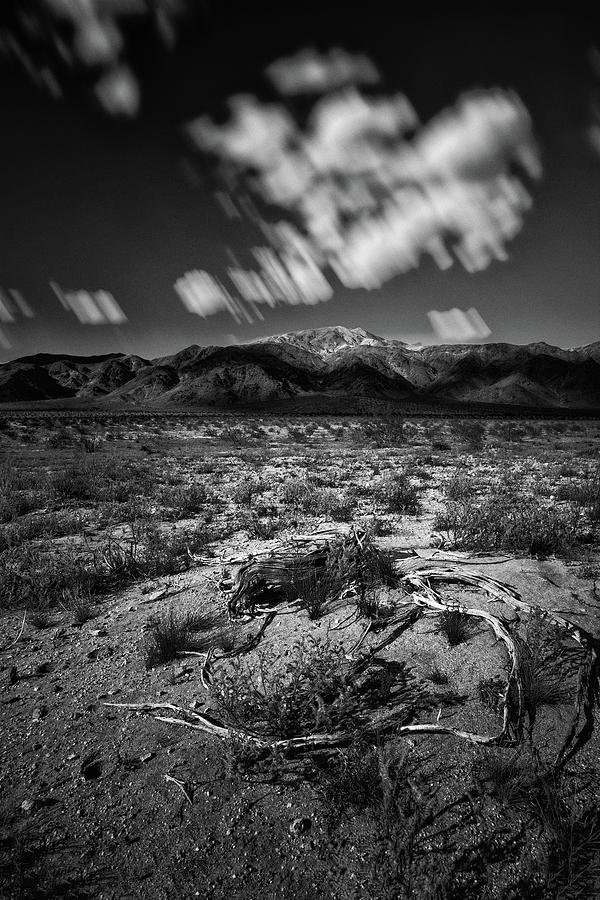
(310, 693)
(76, 482)
(295, 491)
(574, 857)
(38, 579)
(237, 435)
(31, 527)
(245, 491)
(262, 523)
(336, 505)
(15, 497)
(507, 519)
(571, 830)
(385, 434)
(297, 434)
(62, 437)
(508, 431)
(314, 693)
(148, 550)
(399, 495)
(469, 431)
(185, 500)
(462, 486)
(166, 637)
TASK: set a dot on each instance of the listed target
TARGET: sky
(104, 215)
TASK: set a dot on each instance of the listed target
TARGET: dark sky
(92, 202)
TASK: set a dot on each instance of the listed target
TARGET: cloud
(312, 72)
(13, 307)
(366, 188)
(52, 38)
(91, 307)
(456, 325)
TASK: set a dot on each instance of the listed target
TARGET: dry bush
(38, 579)
(399, 495)
(508, 519)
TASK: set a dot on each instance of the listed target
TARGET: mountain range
(335, 363)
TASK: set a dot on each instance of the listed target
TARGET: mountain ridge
(335, 361)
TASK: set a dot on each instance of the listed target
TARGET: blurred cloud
(52, 39)
(312, 72)
(456, 325)
(13, 307)
(91, 307)
(368, 190)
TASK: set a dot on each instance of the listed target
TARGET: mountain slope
(336, 362)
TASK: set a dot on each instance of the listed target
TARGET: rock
(43, 668)
(182, 671)
(300, 825)
(156, 595)
(98, 632)
(27, 806)
(39, 713)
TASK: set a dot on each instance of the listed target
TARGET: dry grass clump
(507, 519)
(147, 550)
(455, 625)
(39, 579)
(172, 633)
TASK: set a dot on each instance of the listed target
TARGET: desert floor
(119, 536)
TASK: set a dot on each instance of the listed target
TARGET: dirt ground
(102, 801)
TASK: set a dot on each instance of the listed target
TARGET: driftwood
(266, 585)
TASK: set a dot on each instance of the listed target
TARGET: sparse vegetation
(89, 519)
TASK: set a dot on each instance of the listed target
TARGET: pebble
(300, 825)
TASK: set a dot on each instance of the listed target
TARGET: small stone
(156, 595)
(99, 632)
(182, 671)
(27, 806)
(300, 825)
(146, 757)
(39, 713)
